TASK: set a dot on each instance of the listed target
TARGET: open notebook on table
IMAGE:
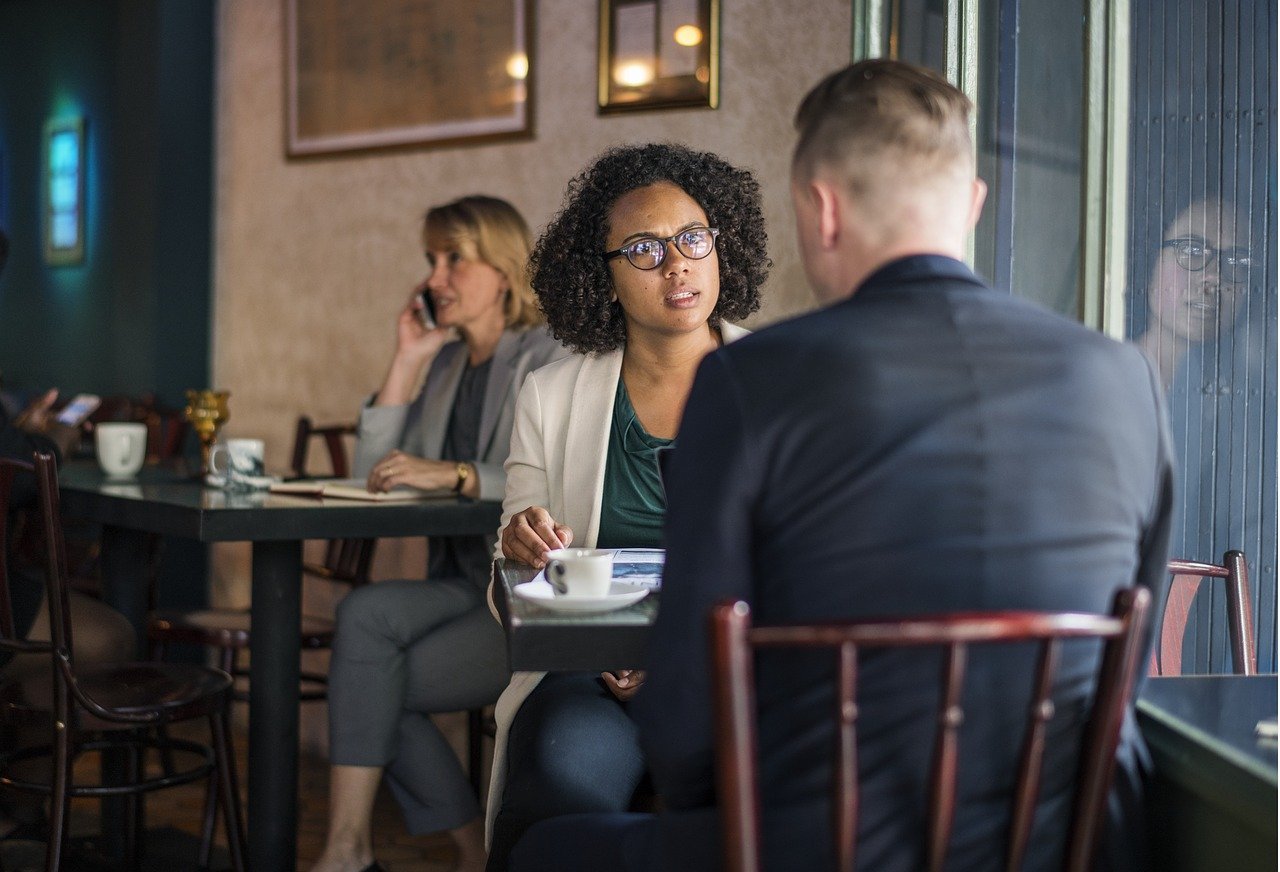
(355, 489)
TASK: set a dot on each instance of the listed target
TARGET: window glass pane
(1030, 133)
(1202, 300)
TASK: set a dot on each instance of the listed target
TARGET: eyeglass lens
(1194, 256)
(649, 253)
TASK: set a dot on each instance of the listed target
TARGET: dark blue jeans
(572, 748)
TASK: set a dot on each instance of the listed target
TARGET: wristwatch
(464, 472)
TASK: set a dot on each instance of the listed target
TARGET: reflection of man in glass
(1196, 284)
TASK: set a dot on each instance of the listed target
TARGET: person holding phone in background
(102, 634)
(405, 649)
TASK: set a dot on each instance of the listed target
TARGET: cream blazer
(559, 445)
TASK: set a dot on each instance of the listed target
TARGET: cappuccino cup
(241, 459)
(121, 448)
(580, 571)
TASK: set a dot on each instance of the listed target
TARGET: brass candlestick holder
(207, 412)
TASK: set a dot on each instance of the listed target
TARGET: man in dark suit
(923, 444)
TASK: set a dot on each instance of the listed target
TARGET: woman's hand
(416, 346)
(623, 683)
(398, 468)
(413, 336)
(530, 534)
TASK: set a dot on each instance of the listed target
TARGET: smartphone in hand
(74, 413)
(428, 310)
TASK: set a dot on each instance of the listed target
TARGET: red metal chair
(106, 708)
(1188, 576)
(734, 641)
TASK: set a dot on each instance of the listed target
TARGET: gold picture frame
(388, 73)
(658, 54)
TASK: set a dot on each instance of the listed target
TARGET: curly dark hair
(572, 279)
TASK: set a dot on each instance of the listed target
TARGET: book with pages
(354, 489)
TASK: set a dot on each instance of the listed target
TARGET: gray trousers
(403, 650)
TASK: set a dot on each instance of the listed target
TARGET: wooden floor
(173, 819)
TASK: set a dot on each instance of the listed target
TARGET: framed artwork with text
(384, 73)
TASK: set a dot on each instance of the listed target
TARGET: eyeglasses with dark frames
(1194, 255)
(649, 252)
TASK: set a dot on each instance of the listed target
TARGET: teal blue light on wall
(63, 191)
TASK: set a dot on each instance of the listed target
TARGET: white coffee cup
(242, 459)
(580, 571)
(121, 447)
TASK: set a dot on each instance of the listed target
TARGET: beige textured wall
(313, 258)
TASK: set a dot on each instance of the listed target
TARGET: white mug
(243, 460)
(580, 571)
(122, 447)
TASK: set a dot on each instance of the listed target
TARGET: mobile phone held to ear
(428, 310)
(81, 407)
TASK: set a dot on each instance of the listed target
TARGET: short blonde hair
(490, 230)
(879, 118)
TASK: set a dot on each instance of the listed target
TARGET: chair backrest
(166, 428)
(1188, 576)
(333, 437)
(346, 560)
(734, 640)
(47, 516)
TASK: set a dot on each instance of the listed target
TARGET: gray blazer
(419, 427)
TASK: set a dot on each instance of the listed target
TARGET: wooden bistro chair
(734, 640)
(1188, 576)
(105, 708)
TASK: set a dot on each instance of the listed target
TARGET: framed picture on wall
(383, 73)
(62, 191)
(658, 54)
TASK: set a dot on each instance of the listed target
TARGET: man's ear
(826, 200)
(977, 196)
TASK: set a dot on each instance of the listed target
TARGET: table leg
(273, 705)
(124, 560)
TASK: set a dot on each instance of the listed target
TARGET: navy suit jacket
(928, 445)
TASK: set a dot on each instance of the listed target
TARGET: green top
(633, 504)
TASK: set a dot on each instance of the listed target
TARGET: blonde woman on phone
(405, 649)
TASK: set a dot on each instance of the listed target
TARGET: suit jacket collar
(917, 268)
(439, 409)
(501, 372)
(439, 406)
(586, 447)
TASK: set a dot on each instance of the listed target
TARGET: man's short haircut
(882, 117)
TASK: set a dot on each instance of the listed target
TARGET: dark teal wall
(134, 317)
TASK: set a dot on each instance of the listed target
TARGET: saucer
(541, 593)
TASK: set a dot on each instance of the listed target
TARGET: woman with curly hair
(657, 249)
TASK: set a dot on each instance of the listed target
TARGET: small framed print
(658, 54)
(385, 73)
(62, 191)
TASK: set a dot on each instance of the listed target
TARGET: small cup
(121, 448)
(580, 571)
(243, 459)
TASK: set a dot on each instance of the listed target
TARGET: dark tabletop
(540, 640)
(160, 500)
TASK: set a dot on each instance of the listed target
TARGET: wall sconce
(62, 191)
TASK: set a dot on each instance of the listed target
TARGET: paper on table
(639, 566)
(355, 489)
